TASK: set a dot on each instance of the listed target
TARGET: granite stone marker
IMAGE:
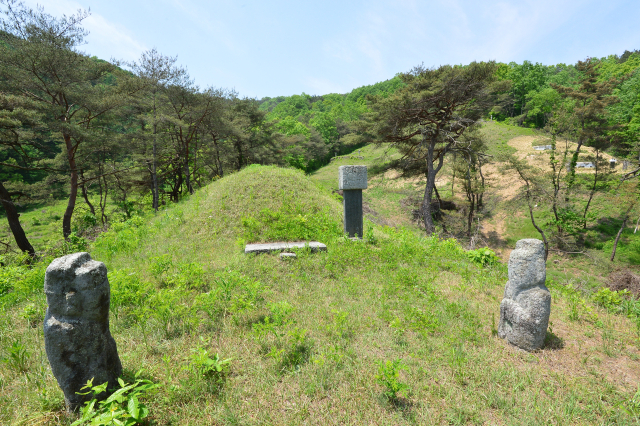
(77, 340)
(525, 309)
(258, 248)
(352, 180)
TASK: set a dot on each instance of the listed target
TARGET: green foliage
(295, 351)
(122, 237)
(74, 244)
(483, 256)
(273, 324)
(291, 223)
(340, 327)
(122, 408)
(188, 276)
(291, 127)
(170, 309)
(33, 314)
(20, 282)
(128, 291)
(18, 358)
(389, 377)
(210, 368)
(369, 236)
(569, 220)
(632, 406)
(214, 370)
(83, 222)
(610, 299)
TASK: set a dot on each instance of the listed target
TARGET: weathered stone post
(352, 180)
(525, 309)
(77, 340)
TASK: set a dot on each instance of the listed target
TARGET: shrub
(608, 299)
(483, 256)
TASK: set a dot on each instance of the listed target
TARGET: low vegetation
(398, 328)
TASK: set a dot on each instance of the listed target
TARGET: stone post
(352, 180)
(77, 340)
(525, 309)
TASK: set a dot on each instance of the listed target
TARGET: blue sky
(272, 48)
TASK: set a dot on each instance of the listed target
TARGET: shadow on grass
(400, 404)
(553, 342)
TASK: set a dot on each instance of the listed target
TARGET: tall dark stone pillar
(352, 180)
(352, 203)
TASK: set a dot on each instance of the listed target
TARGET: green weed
(18, 358)
(33, 314)
(610, 299)
(483, 256)
(389, 377)
(212, 369)
(123, 407)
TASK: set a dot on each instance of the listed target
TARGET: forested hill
(76, 128)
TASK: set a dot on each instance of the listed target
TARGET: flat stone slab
(278, 247)
(543, 147)
(585, 165)
(287, 256)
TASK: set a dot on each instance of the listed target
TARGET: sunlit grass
(306, 337)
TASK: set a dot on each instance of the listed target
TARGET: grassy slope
(180, 282)
(388, 197)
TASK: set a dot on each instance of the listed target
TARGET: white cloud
(105, 40)
(108, 37)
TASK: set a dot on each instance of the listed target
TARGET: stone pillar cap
(352, 177)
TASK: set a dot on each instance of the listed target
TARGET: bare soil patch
(540, 159)
(625, 280)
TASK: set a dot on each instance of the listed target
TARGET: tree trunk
(103, 199)
(240, 156)
(480, 203)
(73, 190)
(220, 172)
(593, 190)
(535, 225)
(13, 217)
(187, 172)
(435, 189)
(426, 206)
(533, 220)
(85, 195)
(472, 205)
(624, 224)
(453, 177)
(154, 167)
(429, 226)
(574, 157)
